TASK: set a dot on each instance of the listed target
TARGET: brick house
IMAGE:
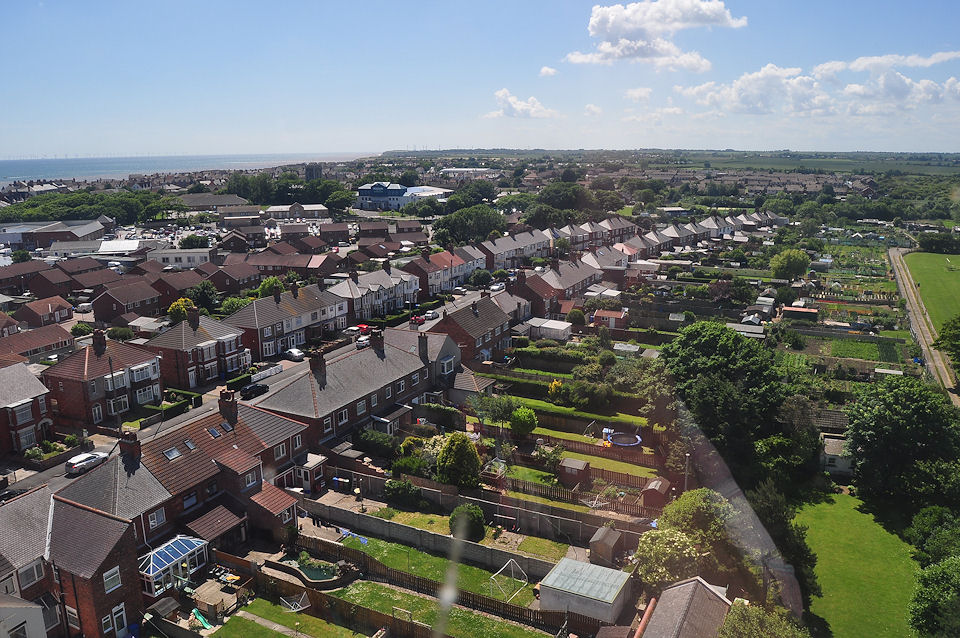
(617, 229)
(234, 242)
(287, 320)
(368, 387)
(15, 278)
(100, 382)
(377, 293)
(43, 312)
(98, 569)
(174, 285)
(8, 325)
(79, 265)
(140, 298)
(309, 245)
(51, 283)
(96, 280)
(543, 298)
(199, 350)
(514, 251)
(481, 329)
(304, 265)
(25, 410)
(282, 248)
(38, 344)
(233, 278)
(438, 272)
(335, 233)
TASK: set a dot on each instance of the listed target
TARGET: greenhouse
(170, 565)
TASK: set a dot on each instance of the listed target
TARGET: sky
(122, 78)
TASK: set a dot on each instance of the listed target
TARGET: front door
(120, 621)
(193, 377)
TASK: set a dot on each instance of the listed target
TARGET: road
(923, 327)
(55, 477)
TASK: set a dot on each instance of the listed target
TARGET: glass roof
(168, 554)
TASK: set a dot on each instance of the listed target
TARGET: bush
(794, 339)
(446, 416)
(385, 513)
(81, 329)
(376, 443)
(120, 334)
(411, 445)
(588, 372)
(458, 462)
(466, 522)
(47, 446)
(607, 358)
(33, 453)
(238, 382)
(71, 440)
(412, 465)
(521, 342)
(401, 493)
(547, 343)
(523, 421)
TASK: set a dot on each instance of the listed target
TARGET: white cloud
(512, 106)
(653, 116)
(768, 90)
(880, 63)
(638, 94)
(890, 91)
(592, 110)
(641, 31)
(547, 71)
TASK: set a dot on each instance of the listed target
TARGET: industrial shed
(582, 588)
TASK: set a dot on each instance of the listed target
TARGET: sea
(92, 168)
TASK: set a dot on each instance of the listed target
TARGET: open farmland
(939, 285)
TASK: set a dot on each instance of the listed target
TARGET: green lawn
(530, 474)
(461, 624)
(550, 408)
(866, 573)
(544, 548)
(413, 561)
(612, 465)
(850, 349)
(237, 627)
(309, 625)
(939, 287)
(546, 501)
(437, 523)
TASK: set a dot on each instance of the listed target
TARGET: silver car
(83, 462)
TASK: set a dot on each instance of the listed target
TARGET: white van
(85, 307)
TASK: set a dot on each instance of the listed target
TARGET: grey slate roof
(409, 340)
(688, 609)
(82, 554)
(122, 486)
(183, 337)
(371, 281)
(18, 384)
(487, 317)
(266, 311)
(268, 427)
(569, 274)
(24, 523)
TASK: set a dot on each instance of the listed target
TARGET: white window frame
(280, 451)
(122, 400)
(157, 518)
(388, 391)
(286, 516)
(297, 441)
(190, 500)
(373, 400)
(250, 478)
(327, 424)
(361, 407)
(30, 574)
(23, 414)
(415, 379)
(107, 623)
(73, 619)
(97, 411)
(8, 585)
(109, 575)
(401, 386)
(343, 416)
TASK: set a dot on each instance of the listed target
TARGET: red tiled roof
(48, 305)
(237, 460)
(78, 264)
(85, 364)
(33, 339)
(214, 523)
(55, 276)
(139, 291)
(96, 278)
(23, 268)
(273, 499)
(182, 280)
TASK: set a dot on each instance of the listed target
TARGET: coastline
(94, 168)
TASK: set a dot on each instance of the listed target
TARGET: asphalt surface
(924, 331)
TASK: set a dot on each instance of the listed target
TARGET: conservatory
(170, 565)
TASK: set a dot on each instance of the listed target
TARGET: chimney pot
(295, 289)
(130, 445)
(193, 317)
(376, 340)
(228, 406)
(99, 342)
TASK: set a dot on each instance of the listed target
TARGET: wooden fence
(375, 570)
(617, 478)
(634, 455)
(557, 493)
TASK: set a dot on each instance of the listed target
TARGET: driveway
(55, 477)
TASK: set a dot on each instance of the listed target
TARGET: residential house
(407, 226)
(417, 239)
(21, 617)
(294, 231)
(481, 329)
(611, 318)
(24, 409)
(282, 248)
(287, 320)
(79, 265)
(38, 344)
(373, 229)
(617, 229)
(147, 267)
(514, 251)
(577, 236)
(473, 259)
(199, 350)
(182, 257)
(369, 387)
(544, 299)
(174, 285)
(309, 245)
(691, 608)
(8, 325)
(296, 211)
(235, 241)
(570, 278)
(304, 265)
(51, 283)
(100, 382)
(45, 311)
(233, 278)
(334, 233)
(438, 272)
(96, 280)
(140, 298)
(377, 293)
(14, 279)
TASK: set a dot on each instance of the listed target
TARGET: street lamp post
(686, 472)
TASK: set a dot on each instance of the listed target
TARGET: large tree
(194, 241)
(935, 609)
(178, 309)
(949, 338)
(523, 421)
(204, 295)
(665, 556)
(789, 264)
(458, 462)
(341, 200)
(20, 256)
(468, 224)
(754, 621)
(269, 286)
(903, 436)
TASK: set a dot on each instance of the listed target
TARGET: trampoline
(624, 439)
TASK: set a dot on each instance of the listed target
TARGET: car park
(253, 390)
(84, 462)
(293, 354)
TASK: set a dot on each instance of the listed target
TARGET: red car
(364, 328)
(417, 320)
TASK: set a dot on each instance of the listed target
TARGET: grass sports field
(866, 573)
(939, 287)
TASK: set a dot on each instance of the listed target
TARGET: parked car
(363, 342)
(364, 328)
(6, 495)
(83, 462)
(352, 330)
(459, 290)
(431, 314)
(293, 354)
(497, 287)
(252, 390)
(343, 244)
(417, 320)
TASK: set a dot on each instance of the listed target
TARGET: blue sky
(120, 78)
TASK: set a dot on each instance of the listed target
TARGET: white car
(497, 287)
(83, 462)
(352, 330)
(363, 342)
(431, 314)
(293, 354)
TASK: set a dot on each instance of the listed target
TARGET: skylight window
(226, 426)
(172, 453)
(190, 444)
(214, 432)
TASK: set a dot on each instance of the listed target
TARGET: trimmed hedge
(169, 411)
(443, 415)
(238, 382)
(551, 359)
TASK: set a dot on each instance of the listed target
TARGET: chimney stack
(99, 342)
(422, 346)
(484, 293)
(386, 266)
(318, 365)
(473, 307)
(130, 445)
(295, 289)
(355, 276)
(425, 253)
(193, 317)
(276, 296)
(228, 406)
(376, 340)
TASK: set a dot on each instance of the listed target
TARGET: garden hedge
(238, 382)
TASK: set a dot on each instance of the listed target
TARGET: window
(212, 488)
(446, 365)
(144, 395)
(30, 574)
(214, 432)
(189, 444)
(157, 518)
(415, 379)
(42, 401)
(388, 391)
(267, 331)
(285, 516)
(93, 386)
(226, 426)
(7, 586)
(107, 623)
(189, 500)
(479, 341)
(118, 405)
(97, 413)
(23, 413)
(361, 407)
(268, 349)
(327, 424)
(342, 417)
(72, 618)
(250, 478)
(20, 631)
(280, 451)
(373, 400)
(119, 618)
(297, 441)
(172, 453)
(111, 580)
(400, 386)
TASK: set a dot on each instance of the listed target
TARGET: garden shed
(592, 590)
(656, 493)
(605, 546)
(549, 329)
(573, 471)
